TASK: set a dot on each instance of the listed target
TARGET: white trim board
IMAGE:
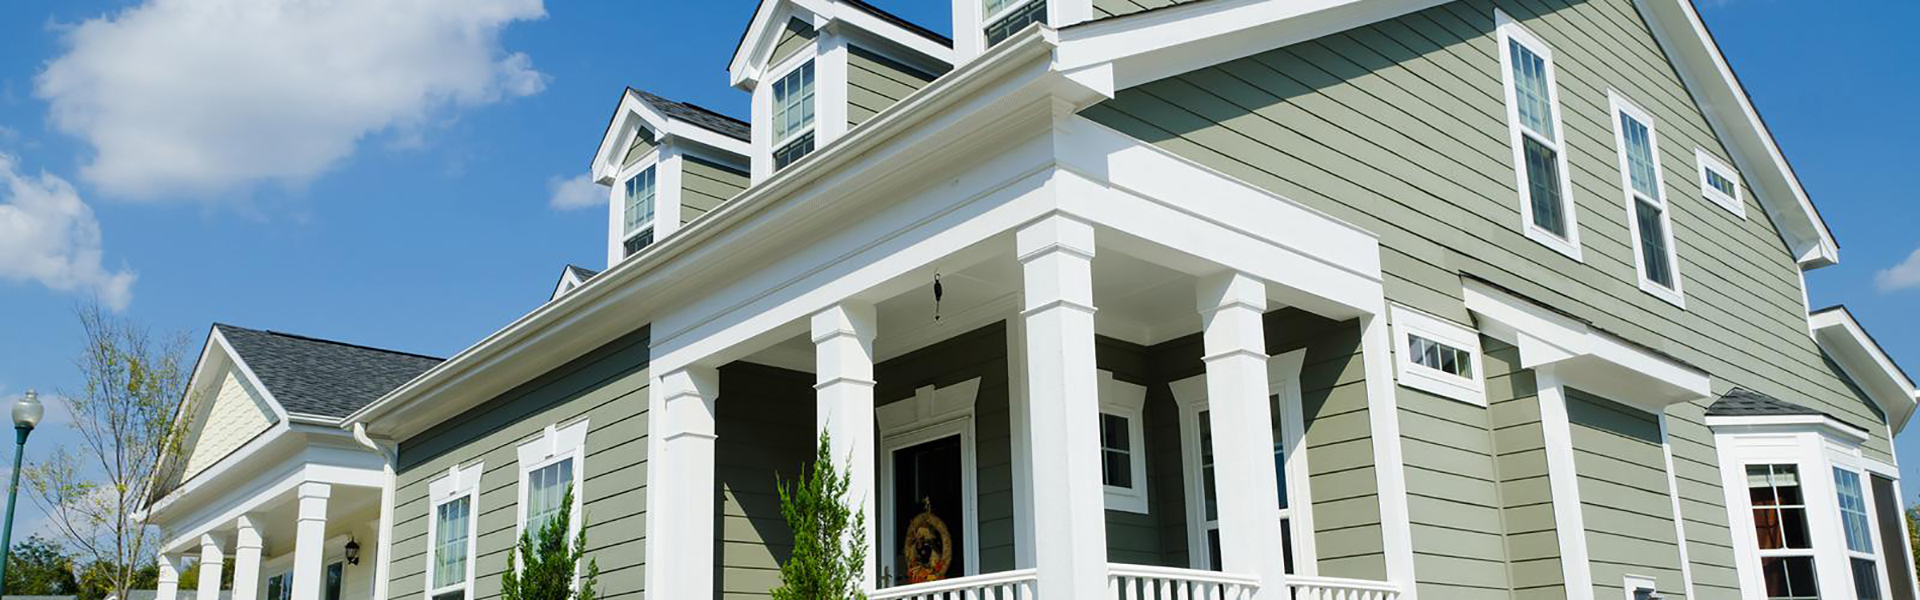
(933, 413)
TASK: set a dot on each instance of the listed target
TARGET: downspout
(389, 456)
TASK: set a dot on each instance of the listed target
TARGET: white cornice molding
(1842, 337)
(1584, 357)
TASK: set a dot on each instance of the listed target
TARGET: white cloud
(201, 97)
(48, 235)
(1902, 276)
(579, 191)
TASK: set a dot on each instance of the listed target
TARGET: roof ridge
(309, 338)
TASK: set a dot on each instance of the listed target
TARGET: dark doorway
(929, 506)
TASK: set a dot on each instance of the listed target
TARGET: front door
(928, 507)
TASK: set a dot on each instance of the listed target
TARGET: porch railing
(1141, 582)
(1005, 585)
(1333, 588)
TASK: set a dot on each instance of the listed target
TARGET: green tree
(190, 576)
(1913, 532)
(98, 580)
(96, 489)
(829, 536)
(550, 564)
(38, 567)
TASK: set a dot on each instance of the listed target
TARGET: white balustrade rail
(1140, 582)
(1005, 585)
(1333, 588)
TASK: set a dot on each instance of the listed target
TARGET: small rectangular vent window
(1440, 357)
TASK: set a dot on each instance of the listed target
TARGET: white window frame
(1510, 31)
(650, 164)
(801, 58)
(1620, 106)
(1815, 445)
(456, 484)
(989, 19)
(933, 413)
(553, 445)
(1408, 322)
(1283, 380)
(1735, 203)
(1127, 401)
(1634, 584)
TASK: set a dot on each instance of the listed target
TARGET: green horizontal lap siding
(875, 82)
(1520, 464)
(642, 144)
(1455, 496)
(1624, 498)
(796, 36)
(1116, 8)
(1400, 128)
(608, 386)
(705, 184)
(1346, 506)
(1135, 538)
(765, 421)
(979, 353)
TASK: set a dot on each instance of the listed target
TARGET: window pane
(334, 572)
(1530, 91)
(793, 102)
(1286, 545)
(1653, 243)
(1866, 579)
(639, 199)
(793, 151)
(1853, 510)
(1639, 156)
(450, 552)
(547, 488)
(1212, 511)
(1114, 434)
(1440, 357)
(1543, 187)
(1213, 548)
(1118, 468)
(998, 31)
(1789, 578)
(1720, 182)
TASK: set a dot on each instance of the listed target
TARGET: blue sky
(393, 183)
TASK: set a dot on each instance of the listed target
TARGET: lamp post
(26, 414)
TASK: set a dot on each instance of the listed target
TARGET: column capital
(246, 536)
(689, 395)
(214, 541)
(848, 318)
(313, 501)
(1230, 289)
(1055, 233)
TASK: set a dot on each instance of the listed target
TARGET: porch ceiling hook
(938, 291)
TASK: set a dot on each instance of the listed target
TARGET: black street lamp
(26, 414)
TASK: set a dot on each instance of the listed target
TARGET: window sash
(641, 190)
(452, 526)
(1116, 451)
(1538, 145)
(793, 106)
(1654, 253)
(546, 490)
(1532, 91)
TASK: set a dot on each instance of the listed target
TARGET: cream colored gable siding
(1400, 128)
(238, 414)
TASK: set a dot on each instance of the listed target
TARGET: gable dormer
(817, 68)
(667, 163)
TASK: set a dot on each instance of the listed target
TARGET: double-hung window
(550, 466)
(793, 112)
(1004, 18)
(1858, 529)
(280, 586)
(1123, 452)
(638, 210)
(1539, 146)
(451, 533)
(1780, 527)
(1649, 215)
(547, 488)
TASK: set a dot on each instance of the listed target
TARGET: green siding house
(1170, 300)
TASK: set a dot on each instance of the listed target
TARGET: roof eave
(1866, 363)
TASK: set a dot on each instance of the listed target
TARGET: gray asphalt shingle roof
(322, 377)
(698, 115)
(1742, 402)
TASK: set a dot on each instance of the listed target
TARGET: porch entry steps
(1006, 585)
(1141, 582)
(1330, 588)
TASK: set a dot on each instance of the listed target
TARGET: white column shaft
(309, 540)
(168, 587)
(1063, 409)
(843, 360)
(682, 496)
(246, 559)
(1232, 306)
(212, 557)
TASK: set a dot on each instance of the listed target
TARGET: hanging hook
(938, 291)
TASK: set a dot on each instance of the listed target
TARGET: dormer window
(1008, 17)
(793, 110)
(640, 193)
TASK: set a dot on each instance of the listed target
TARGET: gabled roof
(1866, 363)
(667, 120)
(1120, 52)
(770, 16)
(312, 376)
(571, 276)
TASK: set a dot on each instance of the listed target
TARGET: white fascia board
(1786, 424)
(754, 43)
(606, 162)
(1679, 30)
(1836, 331)
(620, 297)
(1153, 45)
(1592, 360)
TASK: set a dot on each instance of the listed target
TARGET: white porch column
(211, 558)
(683, 509)
(169, 584)
(843, 360)
(1231, 307)
(246, 559)
(309, 540)
(1063, 408)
